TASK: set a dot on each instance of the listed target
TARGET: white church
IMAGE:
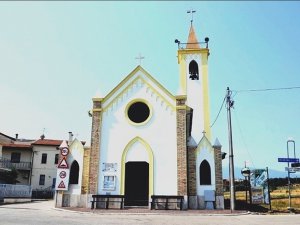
(147, 142)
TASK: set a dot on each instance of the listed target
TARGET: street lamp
(290, 140)
(246, 173)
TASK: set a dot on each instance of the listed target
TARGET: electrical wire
(268, 89)
(218, 113)
(242, 137)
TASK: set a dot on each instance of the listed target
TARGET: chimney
(70, 137)
(42, 136)
(17, 135)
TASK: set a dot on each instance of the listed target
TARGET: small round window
(138, 112)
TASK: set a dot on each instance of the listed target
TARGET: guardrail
(8, 164)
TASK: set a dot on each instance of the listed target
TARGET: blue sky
(55, 56)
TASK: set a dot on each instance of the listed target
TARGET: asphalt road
(38, 213)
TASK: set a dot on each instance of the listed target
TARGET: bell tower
(193, 74)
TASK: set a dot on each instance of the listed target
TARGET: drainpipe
(30, 174)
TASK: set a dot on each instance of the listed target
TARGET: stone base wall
(72, 200)
(193, 202)
(197, 202)
(220, 202)
(84, 201)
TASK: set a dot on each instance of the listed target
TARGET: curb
(153, 213)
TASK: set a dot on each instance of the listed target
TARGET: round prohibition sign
(64, 151)
(62, 174)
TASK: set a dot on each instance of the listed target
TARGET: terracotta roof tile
(14, 145)
(47, 142)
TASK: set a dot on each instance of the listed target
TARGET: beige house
(44, 163)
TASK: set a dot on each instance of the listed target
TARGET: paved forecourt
(43, 212)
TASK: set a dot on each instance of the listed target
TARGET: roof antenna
(192, 12)
(43, 135)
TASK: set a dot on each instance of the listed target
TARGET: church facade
(146, 141)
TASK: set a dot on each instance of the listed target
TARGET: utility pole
(231, 164)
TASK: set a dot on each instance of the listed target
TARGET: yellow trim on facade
(182, 74)
(181, 107)
(151, 159)
(97, 99)
(206, 104)
(193, 51)
(132, 74)
(180, 97)
(97, 110)
(134, 101)
(131, 84)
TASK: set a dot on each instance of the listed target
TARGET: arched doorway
(74, 173)
(137, 173)
(136, 183)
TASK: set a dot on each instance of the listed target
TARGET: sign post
(63, 172)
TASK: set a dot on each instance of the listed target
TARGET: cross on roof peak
(140, 57)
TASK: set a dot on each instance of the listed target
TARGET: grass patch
(279, 201)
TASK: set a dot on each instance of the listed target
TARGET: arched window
(74, 173)
(193, 70)
(205, 174)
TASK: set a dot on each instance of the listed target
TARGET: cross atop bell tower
(191, 11)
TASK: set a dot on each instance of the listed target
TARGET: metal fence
(15, 191)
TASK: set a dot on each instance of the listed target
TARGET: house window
(205, 173)
(15, 157)
(74, 173)
(44, 158)
(56, 159)
(42, 179)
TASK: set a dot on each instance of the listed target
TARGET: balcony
(8, 164)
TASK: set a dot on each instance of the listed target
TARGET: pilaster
(95, 146)
(219, 177)
(181, 145)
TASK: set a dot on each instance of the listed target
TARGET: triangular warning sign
(63, 163)
(61, 185)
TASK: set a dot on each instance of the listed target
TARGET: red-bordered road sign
(63, 164)
(62, 184)
(64, 151)
(62, 174)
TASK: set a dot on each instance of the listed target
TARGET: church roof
(192, 42)
(139, 73)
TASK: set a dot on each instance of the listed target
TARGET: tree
(9, 177)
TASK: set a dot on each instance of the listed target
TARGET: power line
(268, 89)
(242, 137)
(218, 113)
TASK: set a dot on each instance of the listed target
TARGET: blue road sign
(288, 160)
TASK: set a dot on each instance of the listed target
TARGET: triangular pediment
(204, 143)
(138, 78)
